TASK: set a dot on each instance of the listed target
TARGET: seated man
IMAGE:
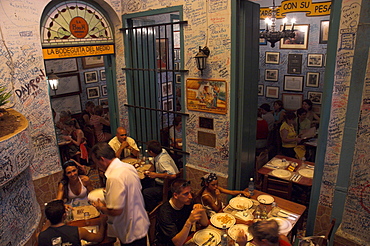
(123, 145)
(176, 216)
(165, 167)
(58, 233)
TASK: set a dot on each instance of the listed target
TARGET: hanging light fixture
(272, 35)
(53, 81)
(201, 58)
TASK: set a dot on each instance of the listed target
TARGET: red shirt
(262, 129)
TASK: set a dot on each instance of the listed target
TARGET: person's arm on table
(94, 237)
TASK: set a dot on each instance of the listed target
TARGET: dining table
(301, 175)
(282, 210)
(140, 165)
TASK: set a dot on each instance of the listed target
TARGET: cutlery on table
(288, 213)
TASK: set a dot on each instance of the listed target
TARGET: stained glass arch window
(75, 23)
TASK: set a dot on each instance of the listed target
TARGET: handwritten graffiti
(31, 88)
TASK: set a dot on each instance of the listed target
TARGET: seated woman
(264, 232)
(74, 187)
(209, 195)
(312, 116)
(98, 121)
(77, 147)
(288, 135)
(302, 123)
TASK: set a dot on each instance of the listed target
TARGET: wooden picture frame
(61, 65)
(167, 104)
(292, 101)
(92, 92)
(312, 79)
(103, 102)
(293, 83)
(167, 89)
(261, 90)
(272, 75)
(272, 57)
(92, 61)
(315, 97)
(161, 52)
(178, 78)
(324, 31)
(315, 60)
(68, 84)
(263, 41)
(295, 63)
(272, 91)
(102, 74)
(206, 95)
(300, 41)
(91, 77)
(104, 91)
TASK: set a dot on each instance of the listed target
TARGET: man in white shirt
(123, 145)
(124, 203)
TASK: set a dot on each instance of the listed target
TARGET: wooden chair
(261, 160)
(167, 184)
(153, 220)
(319, 240)
(278, 187)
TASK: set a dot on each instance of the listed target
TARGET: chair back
(278, 187)
(153, 221)
(167, 185)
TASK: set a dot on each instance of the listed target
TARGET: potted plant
(4, 96)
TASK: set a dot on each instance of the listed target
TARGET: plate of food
(284, 225)
(207, 237)
(234, 230)
(281, 173)
(265, 199)
(241, 203)
(306, 172)
(96, 194)
(279, 162)
(220, 219)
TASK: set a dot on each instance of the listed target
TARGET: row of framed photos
(94, 92)
(313, 60)
(292, 82)
(273, 92)
(92, 76)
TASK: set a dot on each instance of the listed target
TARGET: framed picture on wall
(271, 75)
(263, 41)
(92, 61)
(92, 92)
(272, 57)
(104, 91)
(293, 83)
(315, 97)
(61, 65)
(68, 84)
(103, 102)
(102, 74)
(260, 90)
(167, 104)
(161, 49)
(315, 60)
(295, 63)
(300, 41)
(91, 77)
(178, 78)
(272, 91)
(324, 32)
(312, 79)
(292, 101)
(167, 89)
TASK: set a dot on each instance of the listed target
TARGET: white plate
(265, 199)
(281, 173)
(305, 172)
(220, 219)
(96, 194)
(234, 230)
(241, 203)
(279, 162)
(202, 236)
(284, 225)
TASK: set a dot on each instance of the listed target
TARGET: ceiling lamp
(201, 58)
(53, 81)
(272, 35)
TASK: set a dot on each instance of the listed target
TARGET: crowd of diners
(282, 131)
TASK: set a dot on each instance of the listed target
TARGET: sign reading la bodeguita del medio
(77, 51)
(291, 6)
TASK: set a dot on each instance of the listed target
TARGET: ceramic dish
(219, 219)
(96, 194)
(241, 203)
(207, 237)
(305, 172)
(284, 225)
(279, 162)
(265, 199)
(234, 230)
(281, 173)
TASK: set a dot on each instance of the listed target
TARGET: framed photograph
(167, 89)
(263, 41)
(260, 90)
(178, 78)
(312, 79)
(68, 84)
(162, 52)
(272, 91)
(206, 95)
(295, 63)
(300, 41)
(167, 104)
(61, 65)
(293, 83)
(272, 57)
(176, 54)
(91, 77)
(271, 75)
(92, 61)
(315, 60)
(92, 92)
(315, 97)
(104, 91)
(102, 74)
(176, 39)
(324, 32)
(292, 101)
(103, 102)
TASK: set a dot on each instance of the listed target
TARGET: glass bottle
(224, 239)
(251, 187)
